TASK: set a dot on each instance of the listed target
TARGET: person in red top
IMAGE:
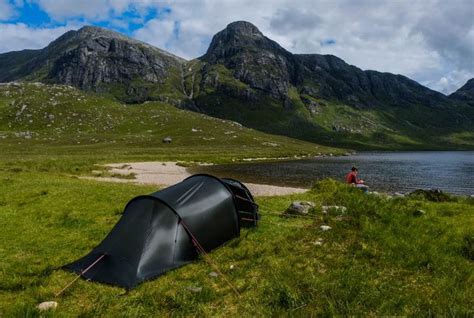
(351, 178)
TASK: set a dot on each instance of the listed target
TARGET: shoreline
(167, 173)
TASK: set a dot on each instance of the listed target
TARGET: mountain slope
(254, 59)
(249, 78)
(246, 77)
(263, 64)
(42, 119)
(95, 59)
(465, 93)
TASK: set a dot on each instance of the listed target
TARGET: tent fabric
(154, 234)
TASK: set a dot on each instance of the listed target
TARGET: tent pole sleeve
(244, 199)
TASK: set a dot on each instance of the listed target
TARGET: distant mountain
(465, 93)
(96, 59)
(246, 77)
(264, 65)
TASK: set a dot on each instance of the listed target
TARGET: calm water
(451, 171)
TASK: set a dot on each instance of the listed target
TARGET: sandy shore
(168, 173)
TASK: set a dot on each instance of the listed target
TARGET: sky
(430, 41)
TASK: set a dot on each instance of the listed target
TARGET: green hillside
(52, 120)
(329, 121)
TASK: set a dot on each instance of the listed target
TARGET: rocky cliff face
(253, 58)
(329, 77)
(264, 65)
(102, 57)
(96, 59)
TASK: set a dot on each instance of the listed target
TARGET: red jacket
(351, 178)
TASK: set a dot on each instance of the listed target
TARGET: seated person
(351, 178)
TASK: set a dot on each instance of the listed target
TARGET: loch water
(450, 171)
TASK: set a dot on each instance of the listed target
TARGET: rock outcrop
(97, 59)
(254, 59)
(264, 65)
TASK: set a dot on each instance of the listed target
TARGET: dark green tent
(162, 231)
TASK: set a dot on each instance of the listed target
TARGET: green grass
(61, 122)
(378, 259)
(383, 257)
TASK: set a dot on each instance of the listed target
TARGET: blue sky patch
(327, 42)
(31, 14)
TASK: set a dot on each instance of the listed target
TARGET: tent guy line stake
(78, 276)
(209, 259)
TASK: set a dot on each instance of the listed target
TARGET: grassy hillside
(381, 257)
(331, 122)
(38, 119)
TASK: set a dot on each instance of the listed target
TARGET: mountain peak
(255, 59)
(91, 28)
(90, 31)
(239, 36)
(243, 28)
(466, 92)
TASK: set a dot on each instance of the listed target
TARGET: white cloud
(92, 10)
(157, 32)
(449, 81)
(61, 10)
(19, 36)
(7, 10)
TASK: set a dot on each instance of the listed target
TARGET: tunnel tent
(159, 232)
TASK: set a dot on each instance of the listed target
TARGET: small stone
(194, 289)
(318, 242)
(47, 305)
(325, 228)
(299, 208)
(338, 208)
(213, 274)
(419, 212)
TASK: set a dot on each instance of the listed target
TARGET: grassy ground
(380, 258)
(62, 123)
(383, 257)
